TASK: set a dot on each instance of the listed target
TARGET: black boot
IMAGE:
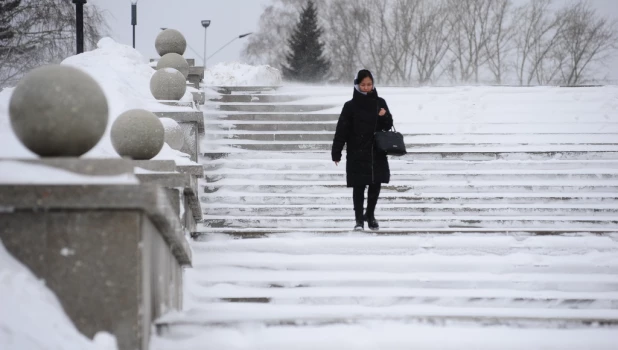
(372, 200)
(359, 197)
(360, 224)
(372, 223)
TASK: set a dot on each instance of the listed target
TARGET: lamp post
(231, 41)
(205, 24)
(134, 17)
(79, 24)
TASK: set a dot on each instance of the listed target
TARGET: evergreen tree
(7, 32)
(306, 61)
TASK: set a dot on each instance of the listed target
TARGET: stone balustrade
(108, 236)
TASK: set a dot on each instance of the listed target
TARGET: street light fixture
(205, 24)
(134, 17)
(231, 41)
(79, 24)
(202, 58)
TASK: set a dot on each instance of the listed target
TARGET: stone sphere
(58, 111)
(137, 134)
(170, 41)
(174, 60)
(174, 136)
(168, 84)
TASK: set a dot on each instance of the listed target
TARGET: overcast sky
(230, 18)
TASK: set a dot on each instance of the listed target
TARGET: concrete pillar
(112, 253)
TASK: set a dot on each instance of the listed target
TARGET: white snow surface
(366, 281)
(389, 335)
(169, 124)
(239, 74)
(14, 173)
(482, 106)
(31, 316)
(442, 119)
(494, 282)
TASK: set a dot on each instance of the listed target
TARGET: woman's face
(366, 85)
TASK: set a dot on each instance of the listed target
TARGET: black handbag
(390, 142)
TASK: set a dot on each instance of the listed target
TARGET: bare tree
(343, 35)
(44, 33)
(400, 31)
(424, 41)
(431, 34)
(536, 42)
(470, 20)
(586, 38)
(374, 40)
(499, 42)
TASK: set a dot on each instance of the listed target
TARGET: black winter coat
(357, 123)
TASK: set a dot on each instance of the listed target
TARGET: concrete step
(514, 282)
(459, 156)
(227, 120)
(405, 210)
(383, 296)
(428, 263)
(421, 139)
(496, 188)
(226, 197)
(316, 177)
(244, 89)
(257, 98)
(299, 126)
(204, 232)
(593, 302)
(442, 333)
(233, 165)
(269, 121)
(469, 243)
(255, 107)
(325, 146)
(582, 223)
(602, 282)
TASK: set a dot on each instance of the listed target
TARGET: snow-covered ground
(491, 170)
(445, 119)
(353, 291)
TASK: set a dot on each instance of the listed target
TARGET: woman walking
(366, 166)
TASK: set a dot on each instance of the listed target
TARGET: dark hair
(362, 74)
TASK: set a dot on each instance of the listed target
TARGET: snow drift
(124, 75)
(238, 74)
(32, 317)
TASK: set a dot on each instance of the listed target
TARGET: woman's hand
(382, 112)
(337, 163)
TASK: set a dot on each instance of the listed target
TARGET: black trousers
(358, 196)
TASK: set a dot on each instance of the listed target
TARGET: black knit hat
(362, 74)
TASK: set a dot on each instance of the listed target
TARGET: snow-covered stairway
(499, 229)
